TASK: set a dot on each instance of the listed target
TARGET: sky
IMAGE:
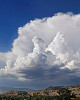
(16, 13)
(39, 43)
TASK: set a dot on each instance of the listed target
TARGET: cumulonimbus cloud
(41, 52)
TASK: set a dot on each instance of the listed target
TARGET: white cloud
(39, 45)
(59, 47)
(38, 49)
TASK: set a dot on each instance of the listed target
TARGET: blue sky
(16, 13)
(39, 43)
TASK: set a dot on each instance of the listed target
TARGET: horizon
(35, 89)
(39, 43)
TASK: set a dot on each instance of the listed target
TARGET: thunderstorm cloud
(45, 52)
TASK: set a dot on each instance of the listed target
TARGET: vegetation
(64, 94)
(36, 98)
(31, 98)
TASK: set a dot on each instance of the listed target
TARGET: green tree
(65, 94)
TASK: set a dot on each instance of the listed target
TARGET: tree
(65, 94)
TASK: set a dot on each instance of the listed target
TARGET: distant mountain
(75, 85)
(58, 87)
(54, 87)
(5, 89)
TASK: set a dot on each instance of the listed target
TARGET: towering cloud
(42, 53)
(59, 47)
